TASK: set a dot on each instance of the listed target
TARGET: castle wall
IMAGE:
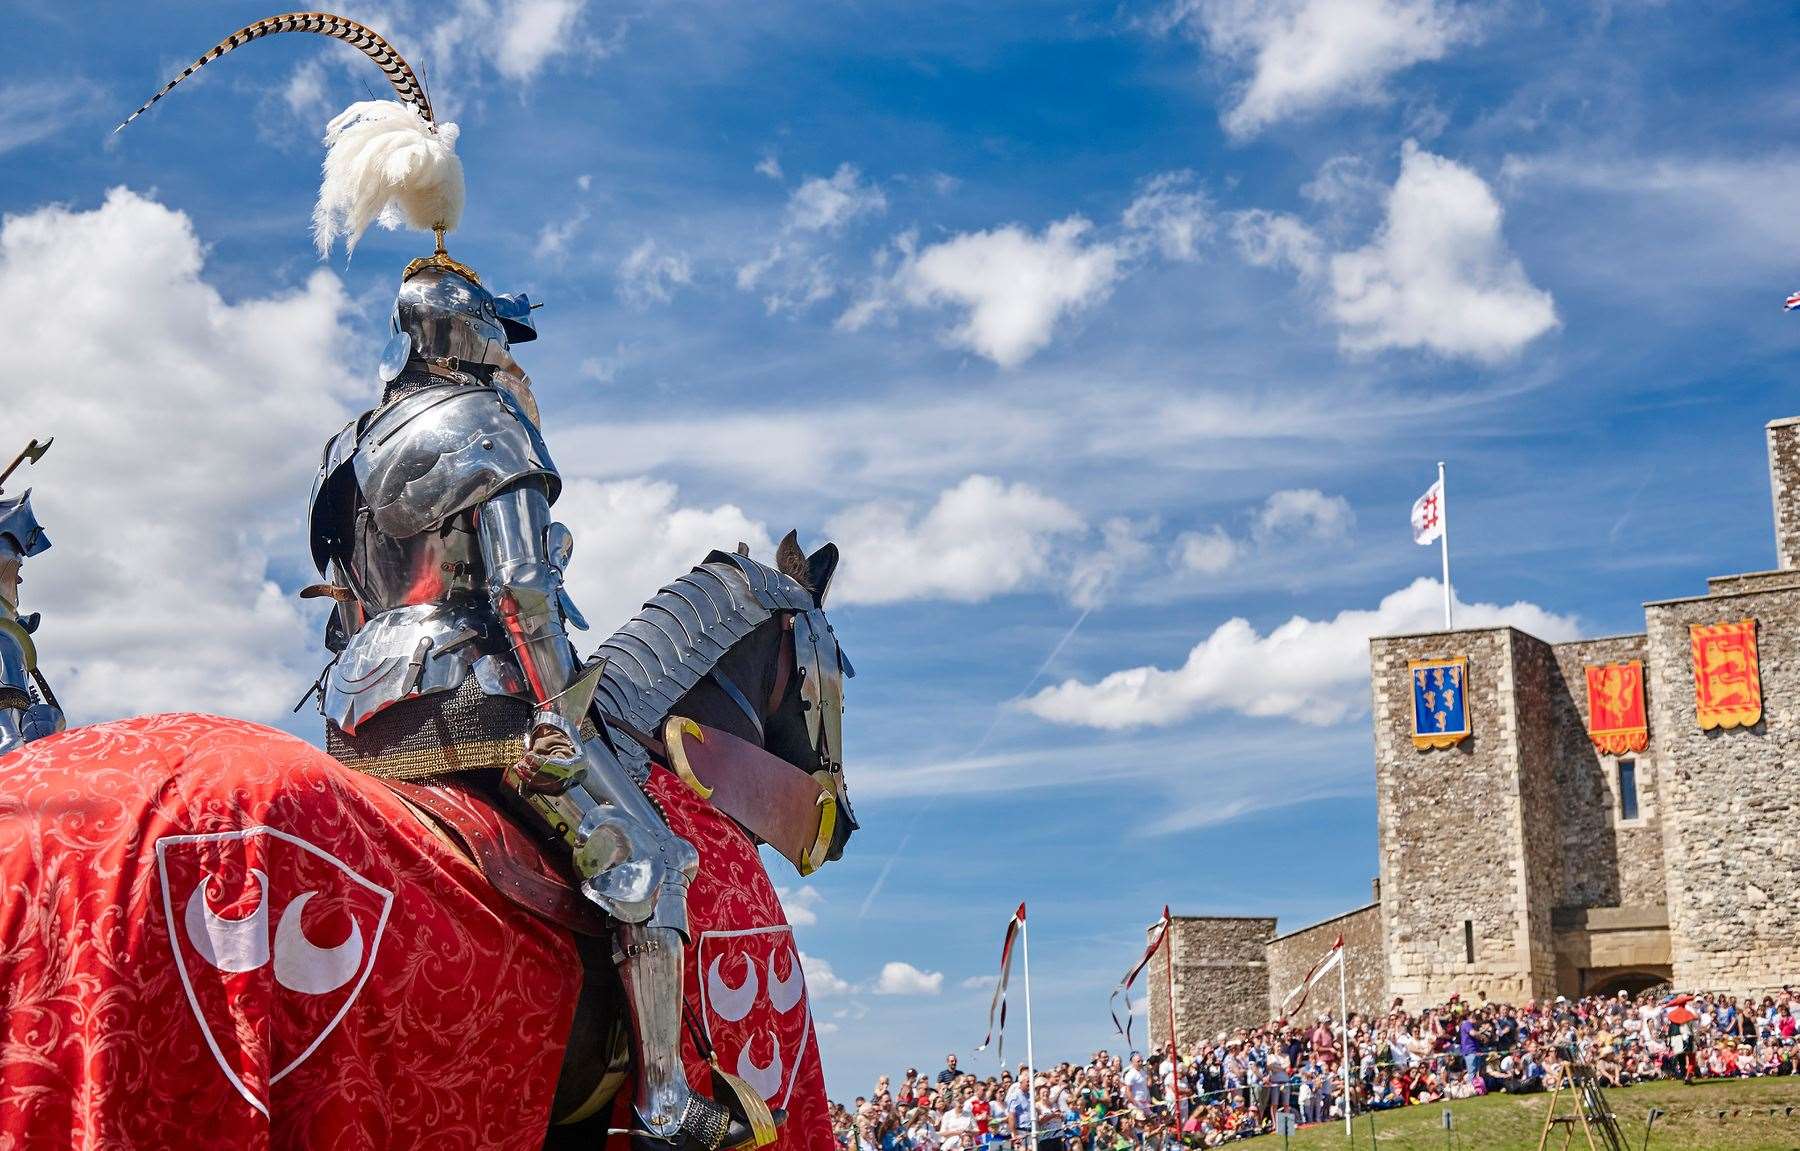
(1221, 978)
(1728, 798)
(1606, 860)
(1292, 955)
(1537, 690)
(1784, 488)
(1453, 841)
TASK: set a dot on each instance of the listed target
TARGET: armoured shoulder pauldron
(435, 451)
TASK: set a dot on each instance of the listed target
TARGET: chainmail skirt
(436, 735)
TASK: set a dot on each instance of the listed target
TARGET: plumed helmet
(443, 313)
(394, 162)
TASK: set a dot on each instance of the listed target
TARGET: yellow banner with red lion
(1727, 685)
(1616, 716)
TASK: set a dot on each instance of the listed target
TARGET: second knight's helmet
(20, 531)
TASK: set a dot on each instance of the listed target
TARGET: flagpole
(1344, 1013)
(1030, 1052)
(1174, 1038)
(1444, 542)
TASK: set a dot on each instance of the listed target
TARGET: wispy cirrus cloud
(798, 269)
(32, 110)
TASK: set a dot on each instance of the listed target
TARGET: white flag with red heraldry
(1428, 515)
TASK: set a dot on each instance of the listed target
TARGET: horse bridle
(784, 671)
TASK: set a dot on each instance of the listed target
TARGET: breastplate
(431, 567)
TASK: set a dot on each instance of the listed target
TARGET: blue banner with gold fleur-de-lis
(1440, 701)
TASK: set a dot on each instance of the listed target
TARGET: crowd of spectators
(1234, 1084)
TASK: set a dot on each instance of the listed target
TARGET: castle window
(1628, 798)
(1468, 941)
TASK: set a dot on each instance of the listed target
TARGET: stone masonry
(1784, 486)
(1607, 860)
(1729, 798)
(1292, 955)
(1221, 978)
(1459, 862)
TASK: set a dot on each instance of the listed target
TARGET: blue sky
(1108, 340)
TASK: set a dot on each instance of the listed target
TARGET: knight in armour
(431, 523)
(28, 708)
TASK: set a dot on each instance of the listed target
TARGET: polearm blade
(33, 452)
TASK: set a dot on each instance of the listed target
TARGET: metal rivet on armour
(487, 445)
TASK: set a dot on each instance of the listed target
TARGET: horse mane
(686, 630)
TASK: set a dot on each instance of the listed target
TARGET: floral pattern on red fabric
(213, 936)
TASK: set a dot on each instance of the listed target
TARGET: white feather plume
(387, 164)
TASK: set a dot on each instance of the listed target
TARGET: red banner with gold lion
(1616, 716)
(1727, 684)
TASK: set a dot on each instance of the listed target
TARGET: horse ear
(791, 561)
(820, 567)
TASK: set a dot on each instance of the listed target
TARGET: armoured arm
(525, 584)
(635, 867)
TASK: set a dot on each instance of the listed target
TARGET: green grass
(1506, 1122)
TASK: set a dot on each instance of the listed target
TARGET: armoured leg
(635, 868)
(631, 864)
(12, 736)
(650, 966)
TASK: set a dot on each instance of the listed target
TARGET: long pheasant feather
(370, 43)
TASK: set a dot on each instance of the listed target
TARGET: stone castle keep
(1598, 827)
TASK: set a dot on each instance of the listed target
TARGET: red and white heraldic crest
(757, 1016)
(745, 985)
(273, 938)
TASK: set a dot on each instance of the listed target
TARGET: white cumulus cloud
(1305, 512)
(632, 536)
(1297, 516)
(1013, 286)
(1313, 671)
(1207, 552)
(824, 204)
(529, 33)
(1438, 274)
(979, 539)
(1123, 547)
(1173, 214)
(553, 238)
(1275, 239)
(1302, 56)
(795, 272)
(800, 904)
(460, 46)
(898, 978)
(821, 981)
(188, 429)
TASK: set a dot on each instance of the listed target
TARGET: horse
(214, 935)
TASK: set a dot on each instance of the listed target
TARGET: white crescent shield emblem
(236, 969)
(760, 1026)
